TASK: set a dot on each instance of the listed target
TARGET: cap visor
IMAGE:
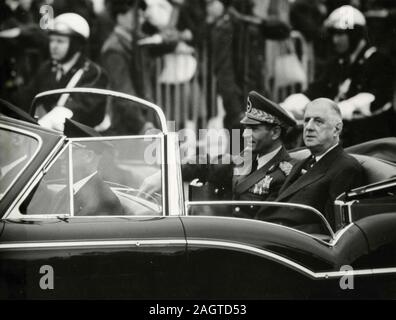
(247, 120)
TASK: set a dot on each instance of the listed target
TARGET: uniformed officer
(69, 67)
(359, 78)
(266, 163)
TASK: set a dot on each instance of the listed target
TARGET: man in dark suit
(259, 173)
(90, 193)
(319, 179)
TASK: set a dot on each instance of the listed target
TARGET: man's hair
(332, 105)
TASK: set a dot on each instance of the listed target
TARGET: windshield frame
(107, 93)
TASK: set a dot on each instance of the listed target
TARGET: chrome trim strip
(290, 263)
(224, 244)
(260, 252)
(176, 200)
(112, 138)
(340, 233)
(90, 243)
(165, 190)
(29, 134)
(68, 216)
(363, 272)
(258, 203)
(373, 187)
(328, 244)
(71, 202)
(115, 94)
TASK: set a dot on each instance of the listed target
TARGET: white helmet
(70, 24)
(345, 18)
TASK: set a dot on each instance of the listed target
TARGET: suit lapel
(244, 183)
(87, 194)
(312, 175)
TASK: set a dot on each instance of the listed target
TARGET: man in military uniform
(266, 163)
(359, 79)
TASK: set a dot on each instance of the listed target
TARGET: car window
(16, 150)
(102, 177)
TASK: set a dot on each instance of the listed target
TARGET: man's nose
(309, 125)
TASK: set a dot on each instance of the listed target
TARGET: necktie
(311, 162)
(308, 164)
(59, 72)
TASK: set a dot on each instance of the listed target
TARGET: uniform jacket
(263, 184)
(371, 72)
(87, 109)
(335, 173)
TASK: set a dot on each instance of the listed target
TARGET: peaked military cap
(260, 110)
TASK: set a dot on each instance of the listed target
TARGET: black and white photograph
(197, 155)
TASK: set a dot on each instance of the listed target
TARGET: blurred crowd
(209, 48)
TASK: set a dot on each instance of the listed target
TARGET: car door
(93, 258)
(49, 250)
(244, 258)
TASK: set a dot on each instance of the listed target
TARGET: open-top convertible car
(78, 221)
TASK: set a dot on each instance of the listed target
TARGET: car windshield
(101, 177)
(17, 150)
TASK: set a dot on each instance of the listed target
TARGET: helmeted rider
(359, 78)
(69, 67)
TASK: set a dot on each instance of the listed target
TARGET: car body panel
(176, 255)
(94, 258)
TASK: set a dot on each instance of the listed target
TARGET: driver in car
(90, 193)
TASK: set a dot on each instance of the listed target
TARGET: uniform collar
(263, 160)
(71, 63)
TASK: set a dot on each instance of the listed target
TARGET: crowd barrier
(195, 100)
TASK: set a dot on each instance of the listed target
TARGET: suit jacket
(96, 198)
(335, 173)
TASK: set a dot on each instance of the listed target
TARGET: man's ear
(277, 131)
(338, 128)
